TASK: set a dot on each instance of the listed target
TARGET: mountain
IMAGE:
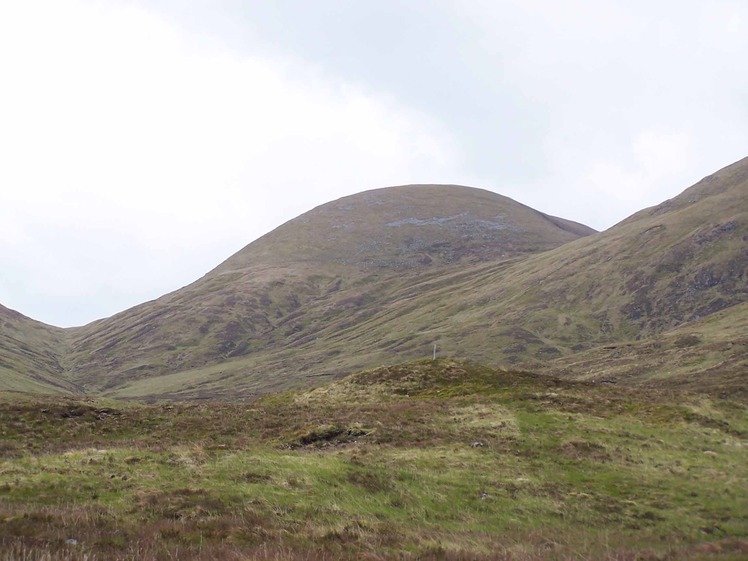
(383, 276)
(31, 355)
(318, 275)
(408, 227)
(665, 266)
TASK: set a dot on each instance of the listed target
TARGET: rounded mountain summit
(409, 226)
(381, 276)
(315, 276)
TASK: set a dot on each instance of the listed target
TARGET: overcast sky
(143, 142)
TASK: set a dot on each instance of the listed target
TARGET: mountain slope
(287, 288)
(710, 354)
(384, 276)
(656, 271)
(682, 260)
(31, 355)
(406, 227)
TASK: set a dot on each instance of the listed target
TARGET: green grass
(430, 460)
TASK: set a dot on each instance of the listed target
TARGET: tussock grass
(430, 460)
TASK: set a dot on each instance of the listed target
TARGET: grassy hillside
(407, 227)
(349, 256)
(383, 276)
(429, 460)
(31, 355)
(709, 355)
(642, 284)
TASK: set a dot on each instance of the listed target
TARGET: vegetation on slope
(31, 355)
(428, 460)
(380, 277)
(309, 274)
(360, 295)
(709, 355)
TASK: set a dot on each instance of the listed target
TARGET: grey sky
(143, 142)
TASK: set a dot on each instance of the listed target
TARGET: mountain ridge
(330, 257)
(382, 276)
(31, 354)
(402, 214)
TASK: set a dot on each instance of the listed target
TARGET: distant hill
(383, 276)
(31, 355)
(675, 263)
(308, 277)
(407, 227)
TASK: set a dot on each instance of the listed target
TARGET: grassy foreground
(429, 460)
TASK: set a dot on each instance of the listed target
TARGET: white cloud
(639, 99)
(136, 156)
(137, 153)
(655, 155)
